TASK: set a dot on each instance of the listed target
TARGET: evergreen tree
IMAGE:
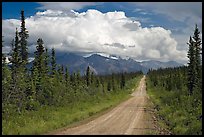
(122, 83)
(53, 62)
(197, 44)
(18, 85)
(15, 57)
(59, 71)
(66, 75)
(97, 82)
(32, 96)
(92, 77)
(88, 79)
(72, 79)
(78, 77)
(191, 66)
(194, 64)
(46, 61)
(15, 63)
(109, 86)
(23, 40)
(38, 71)
(113, 81)
(40, 58)
(62, 70)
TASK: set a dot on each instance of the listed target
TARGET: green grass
(50, 118)
(178, 116)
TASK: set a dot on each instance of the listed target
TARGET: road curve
(126, 118)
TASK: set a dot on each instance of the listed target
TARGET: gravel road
(126, 118)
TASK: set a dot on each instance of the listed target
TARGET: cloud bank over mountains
(93, 31)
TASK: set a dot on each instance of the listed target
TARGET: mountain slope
(105, 65)
(157, 64)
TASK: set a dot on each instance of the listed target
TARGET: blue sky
(177, 17)
(12, 9)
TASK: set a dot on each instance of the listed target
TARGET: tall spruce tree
(78, 77)
(194, 64)
(66, 75)
(198, 71)
(23, 40)
(17, 83)
(15, 64)
(46, 61)
(39, 56)
(38, 71)
(15, 56)
(53, 62)
(191, 66)
(92, 77)
(88, 76)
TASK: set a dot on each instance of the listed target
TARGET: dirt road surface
(126, 118)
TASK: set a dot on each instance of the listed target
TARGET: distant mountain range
(106, 64)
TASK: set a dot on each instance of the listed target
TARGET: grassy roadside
(156, 126)
(173, 115)
(50, 118)
(160, 127)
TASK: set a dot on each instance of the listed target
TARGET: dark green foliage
(169, 78)
(97, 82)
(92, 77)
(47, 60)
(23, 40)
(88, 76)
(198, 67)
(194, 64)
(18, 89)
(78, 77)
(6, 80)
(122, 83)
(39, 61)
(109, 86)
(53, 62)
(191, 66)
(66, 75)
(15, 57)
(170, 95)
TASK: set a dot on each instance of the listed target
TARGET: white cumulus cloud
(93, 31)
